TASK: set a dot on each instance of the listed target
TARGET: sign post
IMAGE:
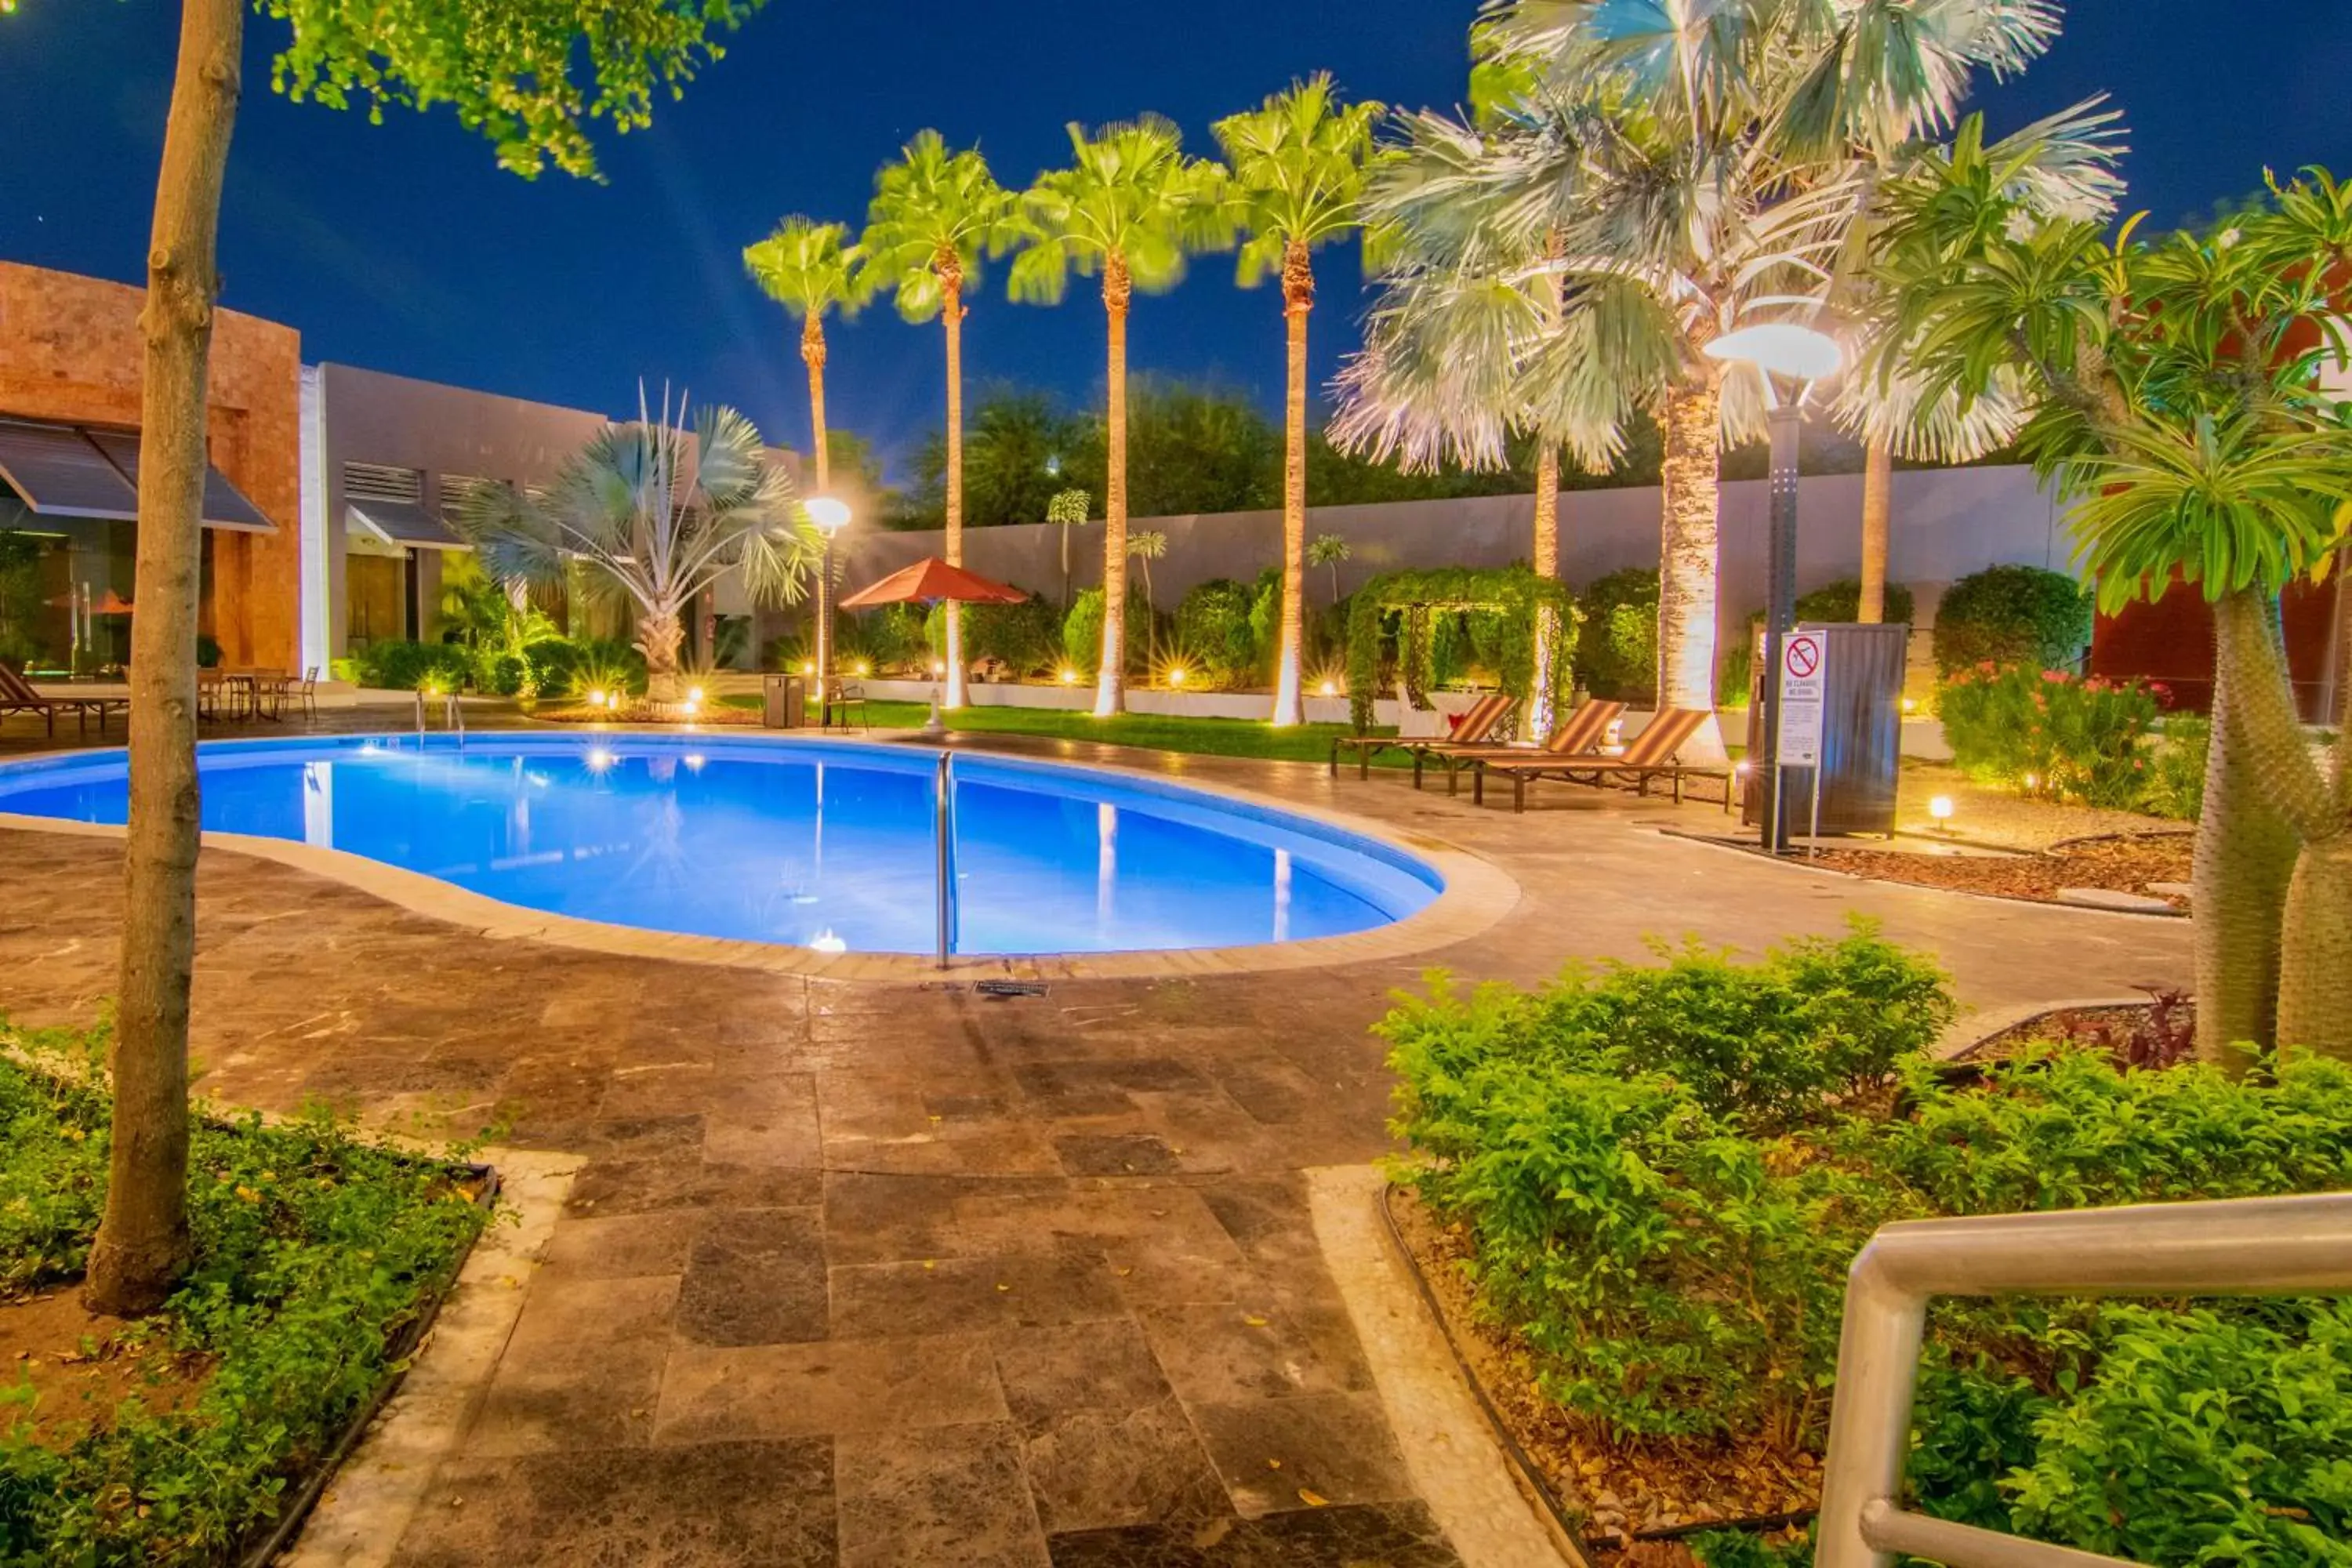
(1798, 703)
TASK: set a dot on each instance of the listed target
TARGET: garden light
(1330, 689)
(693, 696)
(938, 668)
(596, 699)
(1910, 705)
(1176, 675)
(1069, 676)
(1940, 808)
(861, 668)
(808, 667)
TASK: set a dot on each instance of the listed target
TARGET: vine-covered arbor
(1532, 631)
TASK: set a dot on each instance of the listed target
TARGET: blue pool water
(829, 846)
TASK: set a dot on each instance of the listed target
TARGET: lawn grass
(1205, 737)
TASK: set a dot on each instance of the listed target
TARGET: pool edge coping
(1474, 897)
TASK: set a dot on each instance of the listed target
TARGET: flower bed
(187, 1438)
(1655, 1178)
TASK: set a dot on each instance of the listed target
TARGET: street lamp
(1788, 358)
(828, 515)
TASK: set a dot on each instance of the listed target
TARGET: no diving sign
(1804, 678)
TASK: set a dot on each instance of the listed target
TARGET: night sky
(403, 248)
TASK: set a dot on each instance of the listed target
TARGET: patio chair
(17, 696)
(1578, 735)
(1649, 755)
(848, 695)
(1481, 721)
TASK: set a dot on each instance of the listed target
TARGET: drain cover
(1011, 988)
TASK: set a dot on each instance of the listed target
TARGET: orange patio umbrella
(928, 582)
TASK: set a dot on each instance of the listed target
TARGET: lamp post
(828, 515)
(1788, 359)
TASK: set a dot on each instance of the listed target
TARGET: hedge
(2012, 615)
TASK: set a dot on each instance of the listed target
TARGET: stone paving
(903, 1274)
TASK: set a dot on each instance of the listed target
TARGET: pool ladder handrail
(453, 718)
(945, 836)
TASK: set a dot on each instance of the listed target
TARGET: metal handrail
(946, 836)
(2241, 1246)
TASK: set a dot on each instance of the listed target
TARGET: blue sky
(403, 248)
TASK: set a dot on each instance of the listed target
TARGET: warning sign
(1804, 680)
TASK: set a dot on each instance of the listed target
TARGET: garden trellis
(1517, 595)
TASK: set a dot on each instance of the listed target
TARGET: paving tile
(755, 1277)
(943, 1495)
(625, 1246)
(1279, 1454)
(1371, 1535)
(582, 1368)
(1222, 1353)
(836, 1386)
(952, 1295)
(724, 1505)
(641, 1186)
(1115, 1155)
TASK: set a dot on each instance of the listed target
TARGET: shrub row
(1666, 1171)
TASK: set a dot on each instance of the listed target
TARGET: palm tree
(2175, 391)
(935, 214)
(1131, 207)
(1681, 172)
(1066, 510)
(1146, 547)
(806, 267)
(1299, 178)
(657, 510)
(1330, 550)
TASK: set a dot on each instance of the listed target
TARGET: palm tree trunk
(1877, 494)
(142, 1243)
(950, 270)
(1110, 682)
(820, 458)
(659, 635)
(1688, 552)
(2255, 708)
(1543, 702)
(1298, 300)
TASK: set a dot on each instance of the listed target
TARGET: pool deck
(894, 1273)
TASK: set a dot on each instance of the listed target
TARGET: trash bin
(1861, 740)
(784, 702)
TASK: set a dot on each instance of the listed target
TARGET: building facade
(71, 358)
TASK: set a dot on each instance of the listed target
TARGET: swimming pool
(824, 845)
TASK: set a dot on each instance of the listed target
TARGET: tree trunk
(1877, 495)
(1543, 702)
(659, 634)
(1110, 682)
(142, 1243)
(2266, 739)
(1298, 300)
(1687, 555)
(813, 355)
(950, 270)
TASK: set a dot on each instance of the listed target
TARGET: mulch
(2125, 863)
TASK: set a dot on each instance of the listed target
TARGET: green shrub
(2012, 615)
(1665, 1173)
(1026, 637)
(1212, 626)
(1838, 602)
(891, 638)
(1620, 652)
(1082, 630)
(2175, 784)
(2046, 732)
(399, 665)
(313, 1249)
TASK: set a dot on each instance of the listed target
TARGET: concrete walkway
(899, 1275)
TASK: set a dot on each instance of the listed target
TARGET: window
(383, 482)
(455, 488)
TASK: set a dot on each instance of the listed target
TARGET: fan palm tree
(1131, 207)
(809, 269)
(657, 510)
(935, 215)
(1297, 182)
(1330, 550)
(2174, 394)
(1682, 171)
(1147, 546)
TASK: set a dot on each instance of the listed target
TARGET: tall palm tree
(1131, 207)
(2175, 395)
(809, 269)
(935, 215)
(1691, 169)
(657, 510)
(1297, 182)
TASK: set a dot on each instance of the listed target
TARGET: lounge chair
(1578, 735)
(1481, 722)
(1649, 755)
(17, 696)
